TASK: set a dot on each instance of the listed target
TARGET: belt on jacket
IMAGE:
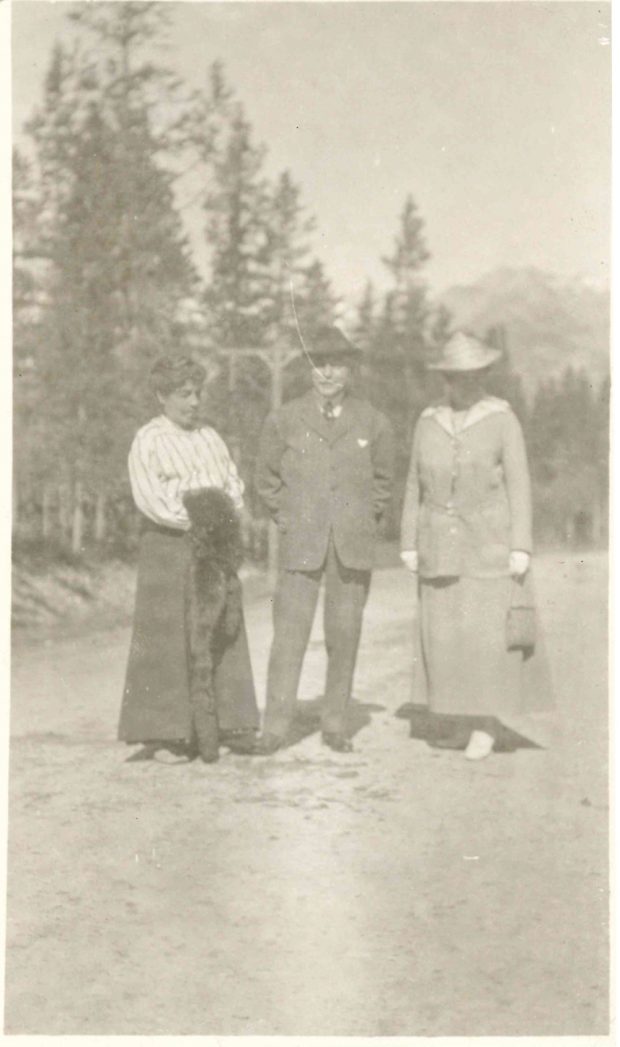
(450, 509)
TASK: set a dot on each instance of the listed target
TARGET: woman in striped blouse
(170, 455)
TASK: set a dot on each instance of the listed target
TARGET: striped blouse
(165, 461)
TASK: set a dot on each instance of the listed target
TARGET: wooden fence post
(77, 523)
(46, 511)
(15, 505)
(100, 520)
(276, 358)
(64, 512)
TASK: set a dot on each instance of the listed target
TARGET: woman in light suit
(467, 534)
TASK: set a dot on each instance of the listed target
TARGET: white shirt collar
(337, 407)
(169, 424)
(443, 414)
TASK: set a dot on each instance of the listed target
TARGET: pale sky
(495, 116)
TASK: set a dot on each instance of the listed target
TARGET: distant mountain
(551, 322)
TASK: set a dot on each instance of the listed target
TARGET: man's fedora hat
(463, 352)
(329, 342)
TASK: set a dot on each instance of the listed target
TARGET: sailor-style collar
(443, 414)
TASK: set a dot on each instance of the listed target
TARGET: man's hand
(410, 560)
(518, 563)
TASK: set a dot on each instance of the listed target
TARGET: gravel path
(396, 891)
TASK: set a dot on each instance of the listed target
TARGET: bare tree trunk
(46, 512)
(15, 506)
(597, 521)
(100, 521)
(64, 512)
(273, 539)
(77, 523)
(135, 527)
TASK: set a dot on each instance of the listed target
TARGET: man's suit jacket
(318, 477)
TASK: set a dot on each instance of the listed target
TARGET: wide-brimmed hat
(463, 352)
(330, 342)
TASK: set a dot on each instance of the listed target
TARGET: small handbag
(521, 617)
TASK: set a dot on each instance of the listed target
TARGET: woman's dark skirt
(156, 703)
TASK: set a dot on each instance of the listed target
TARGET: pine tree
(114, 68)
(409, 307)
(503, 380)
(364, 327)
(565, 431)
(401, 341)
(395, 333)
(54, 129)
(441, 326)
(319, 304)
(120, 282)
(235, 209)
(27, 293)
(284, 257)
(27, 277)
(156, 280)
(259, 244)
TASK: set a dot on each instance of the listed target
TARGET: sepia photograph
(309, 688)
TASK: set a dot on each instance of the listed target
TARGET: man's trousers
(295, 603)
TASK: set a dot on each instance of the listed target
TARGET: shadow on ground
(307, 718)
(306, 721)
(452, 732)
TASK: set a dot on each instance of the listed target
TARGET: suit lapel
(330, 431)
(343, 423)
(314, 419)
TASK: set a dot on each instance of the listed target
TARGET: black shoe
(243, 743)
(206, 735)
(338, 742)
(208, 754)
(147, 752)
(173, 753)
(449, 742)
(268, 744)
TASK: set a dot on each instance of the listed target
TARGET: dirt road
(397, 891)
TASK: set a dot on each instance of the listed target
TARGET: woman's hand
(410, 560)
(518, 563)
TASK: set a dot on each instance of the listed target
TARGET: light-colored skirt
(462, 666)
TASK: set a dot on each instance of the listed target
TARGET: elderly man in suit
(325, 471)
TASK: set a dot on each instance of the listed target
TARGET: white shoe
(479, 746)
(170, 756)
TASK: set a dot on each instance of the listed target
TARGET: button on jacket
(318, 476)
(467, 500)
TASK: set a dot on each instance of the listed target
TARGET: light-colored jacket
(468, 499)
(320, 477)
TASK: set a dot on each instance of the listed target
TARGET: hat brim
(491, 356)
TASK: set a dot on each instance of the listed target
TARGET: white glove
(410, 560)
(518, 563)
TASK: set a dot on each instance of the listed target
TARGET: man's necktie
(328, 411)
